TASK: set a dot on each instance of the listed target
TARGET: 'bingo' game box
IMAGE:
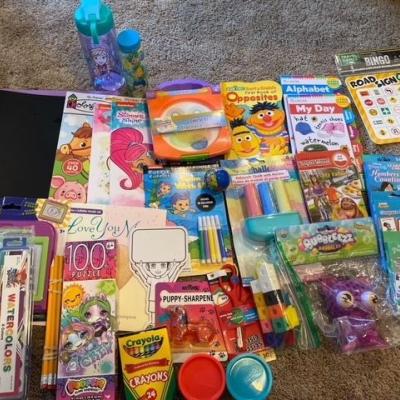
(373, 80)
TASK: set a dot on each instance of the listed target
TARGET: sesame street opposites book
(100, 222)
(256, 117)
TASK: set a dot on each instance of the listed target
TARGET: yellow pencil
(49, 333)
(56, 321)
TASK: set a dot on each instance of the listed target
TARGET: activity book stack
(205, 224)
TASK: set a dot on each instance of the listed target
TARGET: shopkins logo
(327, 240)
(75, 387)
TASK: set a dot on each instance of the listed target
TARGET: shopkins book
(87, 346)
(182, 192)
(130, 151)
(100, 222)
(187, 310)
(99, 176)
(319, 123)
(256, 117)
(331, 186)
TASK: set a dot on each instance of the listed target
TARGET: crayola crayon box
(146, 364)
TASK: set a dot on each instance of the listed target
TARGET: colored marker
(216, 239)
(206, 241)
(224, 254)
(201, 240)
(211, 239)
(252, 200)
(281, 196)
(267, 199)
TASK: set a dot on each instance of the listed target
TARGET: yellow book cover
(147, 367)
(377, 98)
(256, 118)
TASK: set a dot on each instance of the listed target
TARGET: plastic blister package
(16, 309)
(339, 266)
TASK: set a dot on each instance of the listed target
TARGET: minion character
(267, 118)
(245, 143)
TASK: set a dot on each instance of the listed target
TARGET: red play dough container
(202, 377)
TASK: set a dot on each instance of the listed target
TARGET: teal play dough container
(249, 377)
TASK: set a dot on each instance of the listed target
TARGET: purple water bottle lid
(186, 84)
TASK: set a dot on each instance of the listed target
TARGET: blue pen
(266, 198)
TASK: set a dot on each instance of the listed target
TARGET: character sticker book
(130, 151)
(187, 310)
(99, 176)
(183, 193)
(71, 165)
(99, 222)
(87, 348)
(331, 186)
(319, 123)
(256, 117)
(15, 314)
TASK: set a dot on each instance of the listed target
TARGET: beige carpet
(219, 40)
